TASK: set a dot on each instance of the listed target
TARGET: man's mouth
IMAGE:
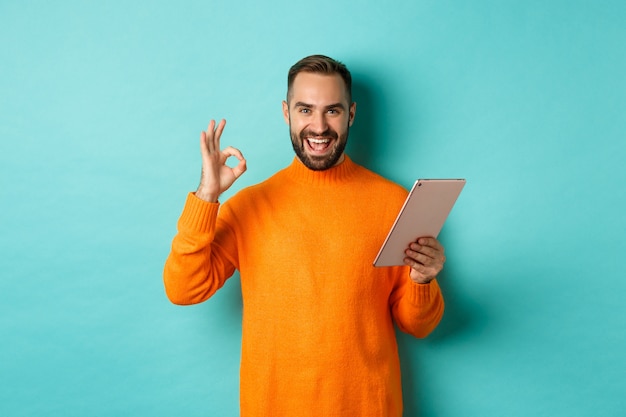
(318, 144)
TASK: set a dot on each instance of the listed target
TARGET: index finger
(230, 151)
(241, 166)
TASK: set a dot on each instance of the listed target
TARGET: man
(318, 336)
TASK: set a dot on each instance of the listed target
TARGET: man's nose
(319, 124)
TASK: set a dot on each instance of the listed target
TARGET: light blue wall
(101, 105)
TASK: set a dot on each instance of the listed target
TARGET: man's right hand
(217, 177)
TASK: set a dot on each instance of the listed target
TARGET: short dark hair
(320, 64)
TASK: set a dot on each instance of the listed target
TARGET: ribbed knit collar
(298, 172)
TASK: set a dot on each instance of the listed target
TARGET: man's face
(319, 116)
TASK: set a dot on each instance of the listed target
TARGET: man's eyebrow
(330, 106)
(335, 106)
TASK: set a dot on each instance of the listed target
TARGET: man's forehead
(318, 86)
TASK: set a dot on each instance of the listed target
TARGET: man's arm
(195, 267)
(418, 305)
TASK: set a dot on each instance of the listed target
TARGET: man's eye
(305, 111)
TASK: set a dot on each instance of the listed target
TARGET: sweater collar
(337, 174)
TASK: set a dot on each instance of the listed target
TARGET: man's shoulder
(379, 183)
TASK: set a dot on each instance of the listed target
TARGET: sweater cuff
(198, 215)
(421, 294)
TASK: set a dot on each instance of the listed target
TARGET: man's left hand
(425, 257)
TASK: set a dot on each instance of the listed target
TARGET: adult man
(318, 336)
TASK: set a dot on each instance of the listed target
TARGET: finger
(425, 271)
(414, 265)
(218, 134)
(424, 268)
(203, 145)
(208, 137)
(430, 242)
(426, 250)
(241, 166)
(419, 258)
(425, 254)
(230, 151)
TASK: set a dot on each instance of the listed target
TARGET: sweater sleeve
(417, 308)
(196, 267)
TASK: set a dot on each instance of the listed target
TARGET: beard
(314, 162)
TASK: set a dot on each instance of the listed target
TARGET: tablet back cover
(423, 214)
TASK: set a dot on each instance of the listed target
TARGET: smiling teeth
(318, 140)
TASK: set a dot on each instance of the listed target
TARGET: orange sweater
(318, 336)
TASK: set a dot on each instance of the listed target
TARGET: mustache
(328, 133)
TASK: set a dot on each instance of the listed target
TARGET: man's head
(319, 110)
(323, 65)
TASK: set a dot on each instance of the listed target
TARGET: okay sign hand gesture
(217, 177)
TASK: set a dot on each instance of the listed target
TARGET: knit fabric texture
(318, 335)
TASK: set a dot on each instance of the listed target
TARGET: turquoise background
(101, 106)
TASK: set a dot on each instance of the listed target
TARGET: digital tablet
(423, 214)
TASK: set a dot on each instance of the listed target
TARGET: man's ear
(286, 111)
(352, 113)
